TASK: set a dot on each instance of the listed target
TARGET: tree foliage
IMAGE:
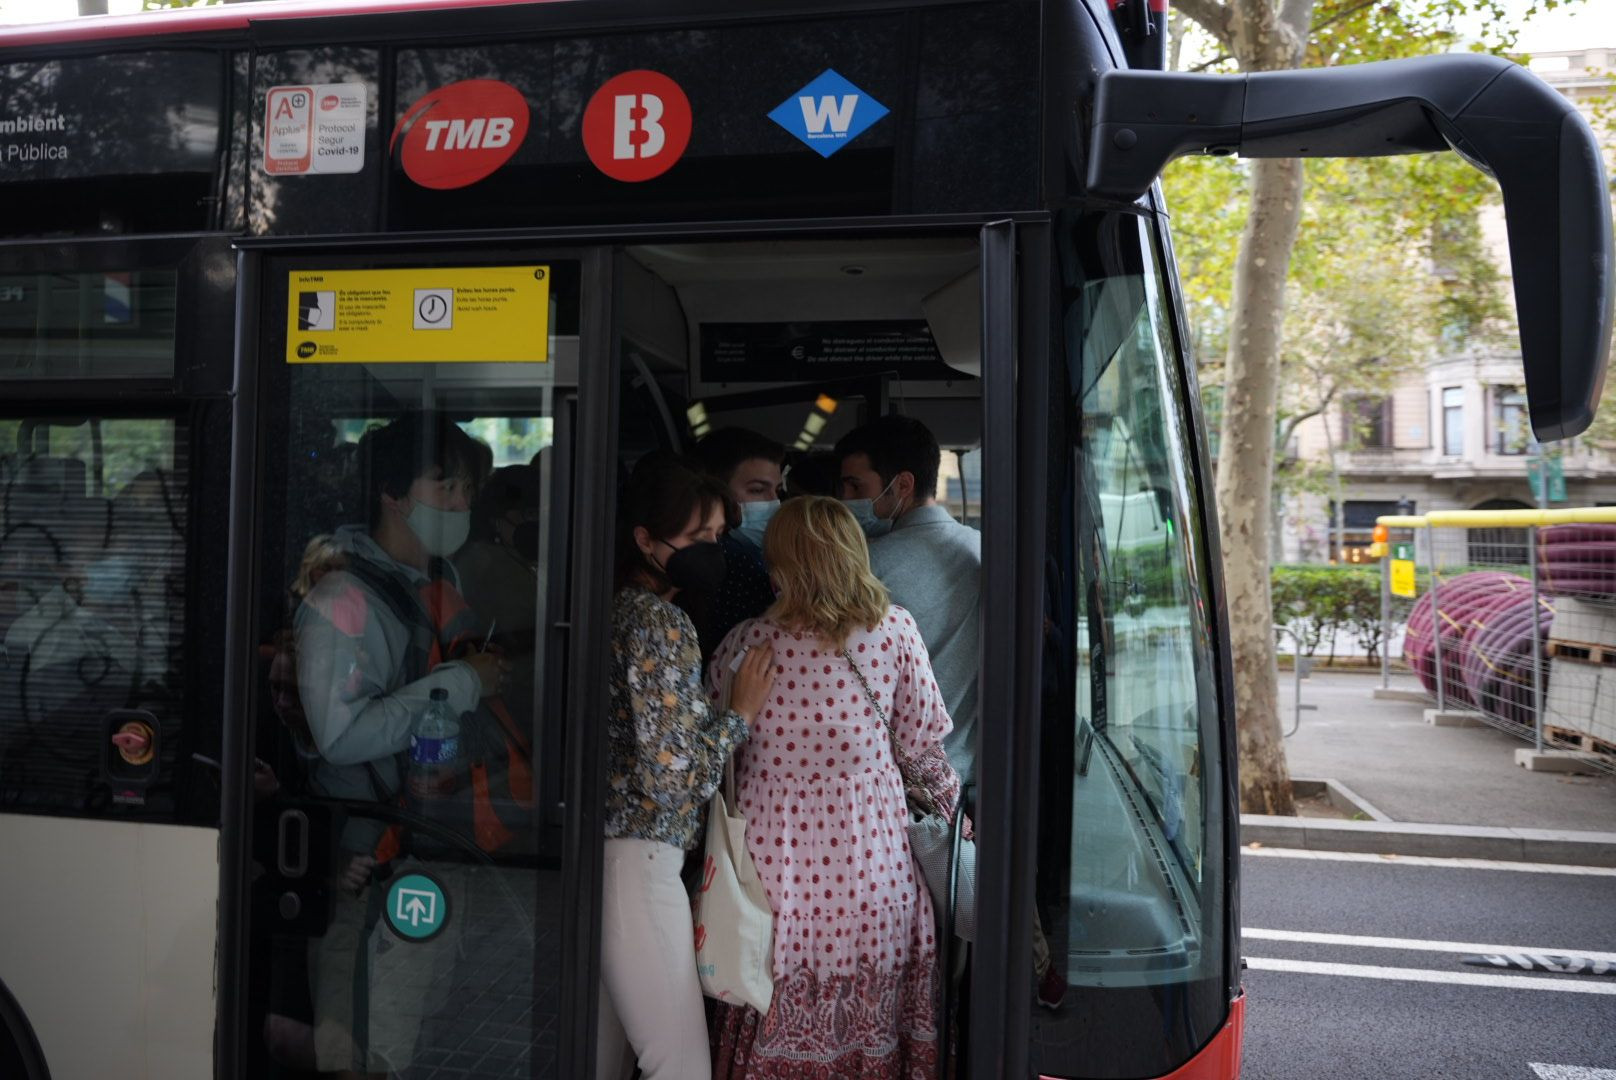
(1389, 267)
(1320, 296)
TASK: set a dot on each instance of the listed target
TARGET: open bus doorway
(788, 348)
(800, 341)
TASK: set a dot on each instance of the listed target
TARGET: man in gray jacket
(930, 563)
(932, 566)
(369, 654)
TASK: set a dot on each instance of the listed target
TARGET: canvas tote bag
(734, 923)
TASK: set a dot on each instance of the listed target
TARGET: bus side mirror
(1494, 113)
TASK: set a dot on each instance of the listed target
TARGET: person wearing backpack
(375, 636)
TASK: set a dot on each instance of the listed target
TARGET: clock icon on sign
(434, 309)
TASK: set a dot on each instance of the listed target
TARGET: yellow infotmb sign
(1402, 574)
(437, 315)
(1403, 578)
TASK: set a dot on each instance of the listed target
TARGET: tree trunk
(1246, 474)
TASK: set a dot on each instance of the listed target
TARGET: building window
(1509, 420)
(1366, 423)
(1453, 421)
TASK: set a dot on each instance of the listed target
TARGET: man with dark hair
(745, 461)
(750, 466)
(398, 456)
(932, 567)
(930, 563)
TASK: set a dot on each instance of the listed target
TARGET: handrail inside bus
(1494, 113)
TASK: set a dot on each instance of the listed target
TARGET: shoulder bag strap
(917, 793)
(725, 684)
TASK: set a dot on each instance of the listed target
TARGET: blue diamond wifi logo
(828, 113)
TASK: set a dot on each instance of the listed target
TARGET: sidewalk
(1461, 778)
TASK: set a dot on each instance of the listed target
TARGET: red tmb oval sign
(458, 134)
(637, 125)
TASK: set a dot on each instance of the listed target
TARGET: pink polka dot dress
(855, 950)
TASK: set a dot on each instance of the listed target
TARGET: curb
(1562, 846)
(1340, 796)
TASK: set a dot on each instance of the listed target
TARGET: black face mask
(696, 568)
(525, 541)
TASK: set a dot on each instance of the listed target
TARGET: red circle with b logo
(637, 125)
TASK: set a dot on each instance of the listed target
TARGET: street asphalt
(1356, 973)
(1414, 772)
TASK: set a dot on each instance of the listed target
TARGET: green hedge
(1320, 602)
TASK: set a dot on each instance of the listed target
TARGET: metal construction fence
(1513, 619)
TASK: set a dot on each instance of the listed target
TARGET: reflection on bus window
(1130, 877)
(92, 601)
(116, 324)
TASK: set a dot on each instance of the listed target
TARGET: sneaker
(1051, 989)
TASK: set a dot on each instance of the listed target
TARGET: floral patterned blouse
(665, 745)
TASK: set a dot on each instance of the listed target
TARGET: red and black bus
(237, 238)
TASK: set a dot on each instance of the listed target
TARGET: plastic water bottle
(434, 749)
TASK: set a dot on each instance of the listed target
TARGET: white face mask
(873, 524)
(441, 532)
(755, 517)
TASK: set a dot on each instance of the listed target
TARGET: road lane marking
(1424, 975)
(1431, 860)
(1571, 1072)
(1410, 944)
(1559, 964)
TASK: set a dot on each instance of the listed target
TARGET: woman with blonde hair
(855, 946)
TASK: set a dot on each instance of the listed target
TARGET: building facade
(1454, 436)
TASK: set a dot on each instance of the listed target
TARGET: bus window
(410, 708)
(1130, 877)
(92, 603)
(105, 325)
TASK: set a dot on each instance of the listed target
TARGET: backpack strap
(405, 608)
(407, 611)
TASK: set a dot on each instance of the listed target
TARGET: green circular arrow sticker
(417, 907)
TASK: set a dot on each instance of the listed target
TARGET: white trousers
(650, 998)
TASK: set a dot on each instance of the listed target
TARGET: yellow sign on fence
(435, 315)
(1403, 578)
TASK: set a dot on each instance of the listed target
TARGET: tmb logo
(459, 134)
(637, 125)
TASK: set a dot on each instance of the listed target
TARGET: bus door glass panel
(93, 513)
(1130, 878)
(411, 562)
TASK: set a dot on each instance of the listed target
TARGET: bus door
(748, 353)
(415, 892)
